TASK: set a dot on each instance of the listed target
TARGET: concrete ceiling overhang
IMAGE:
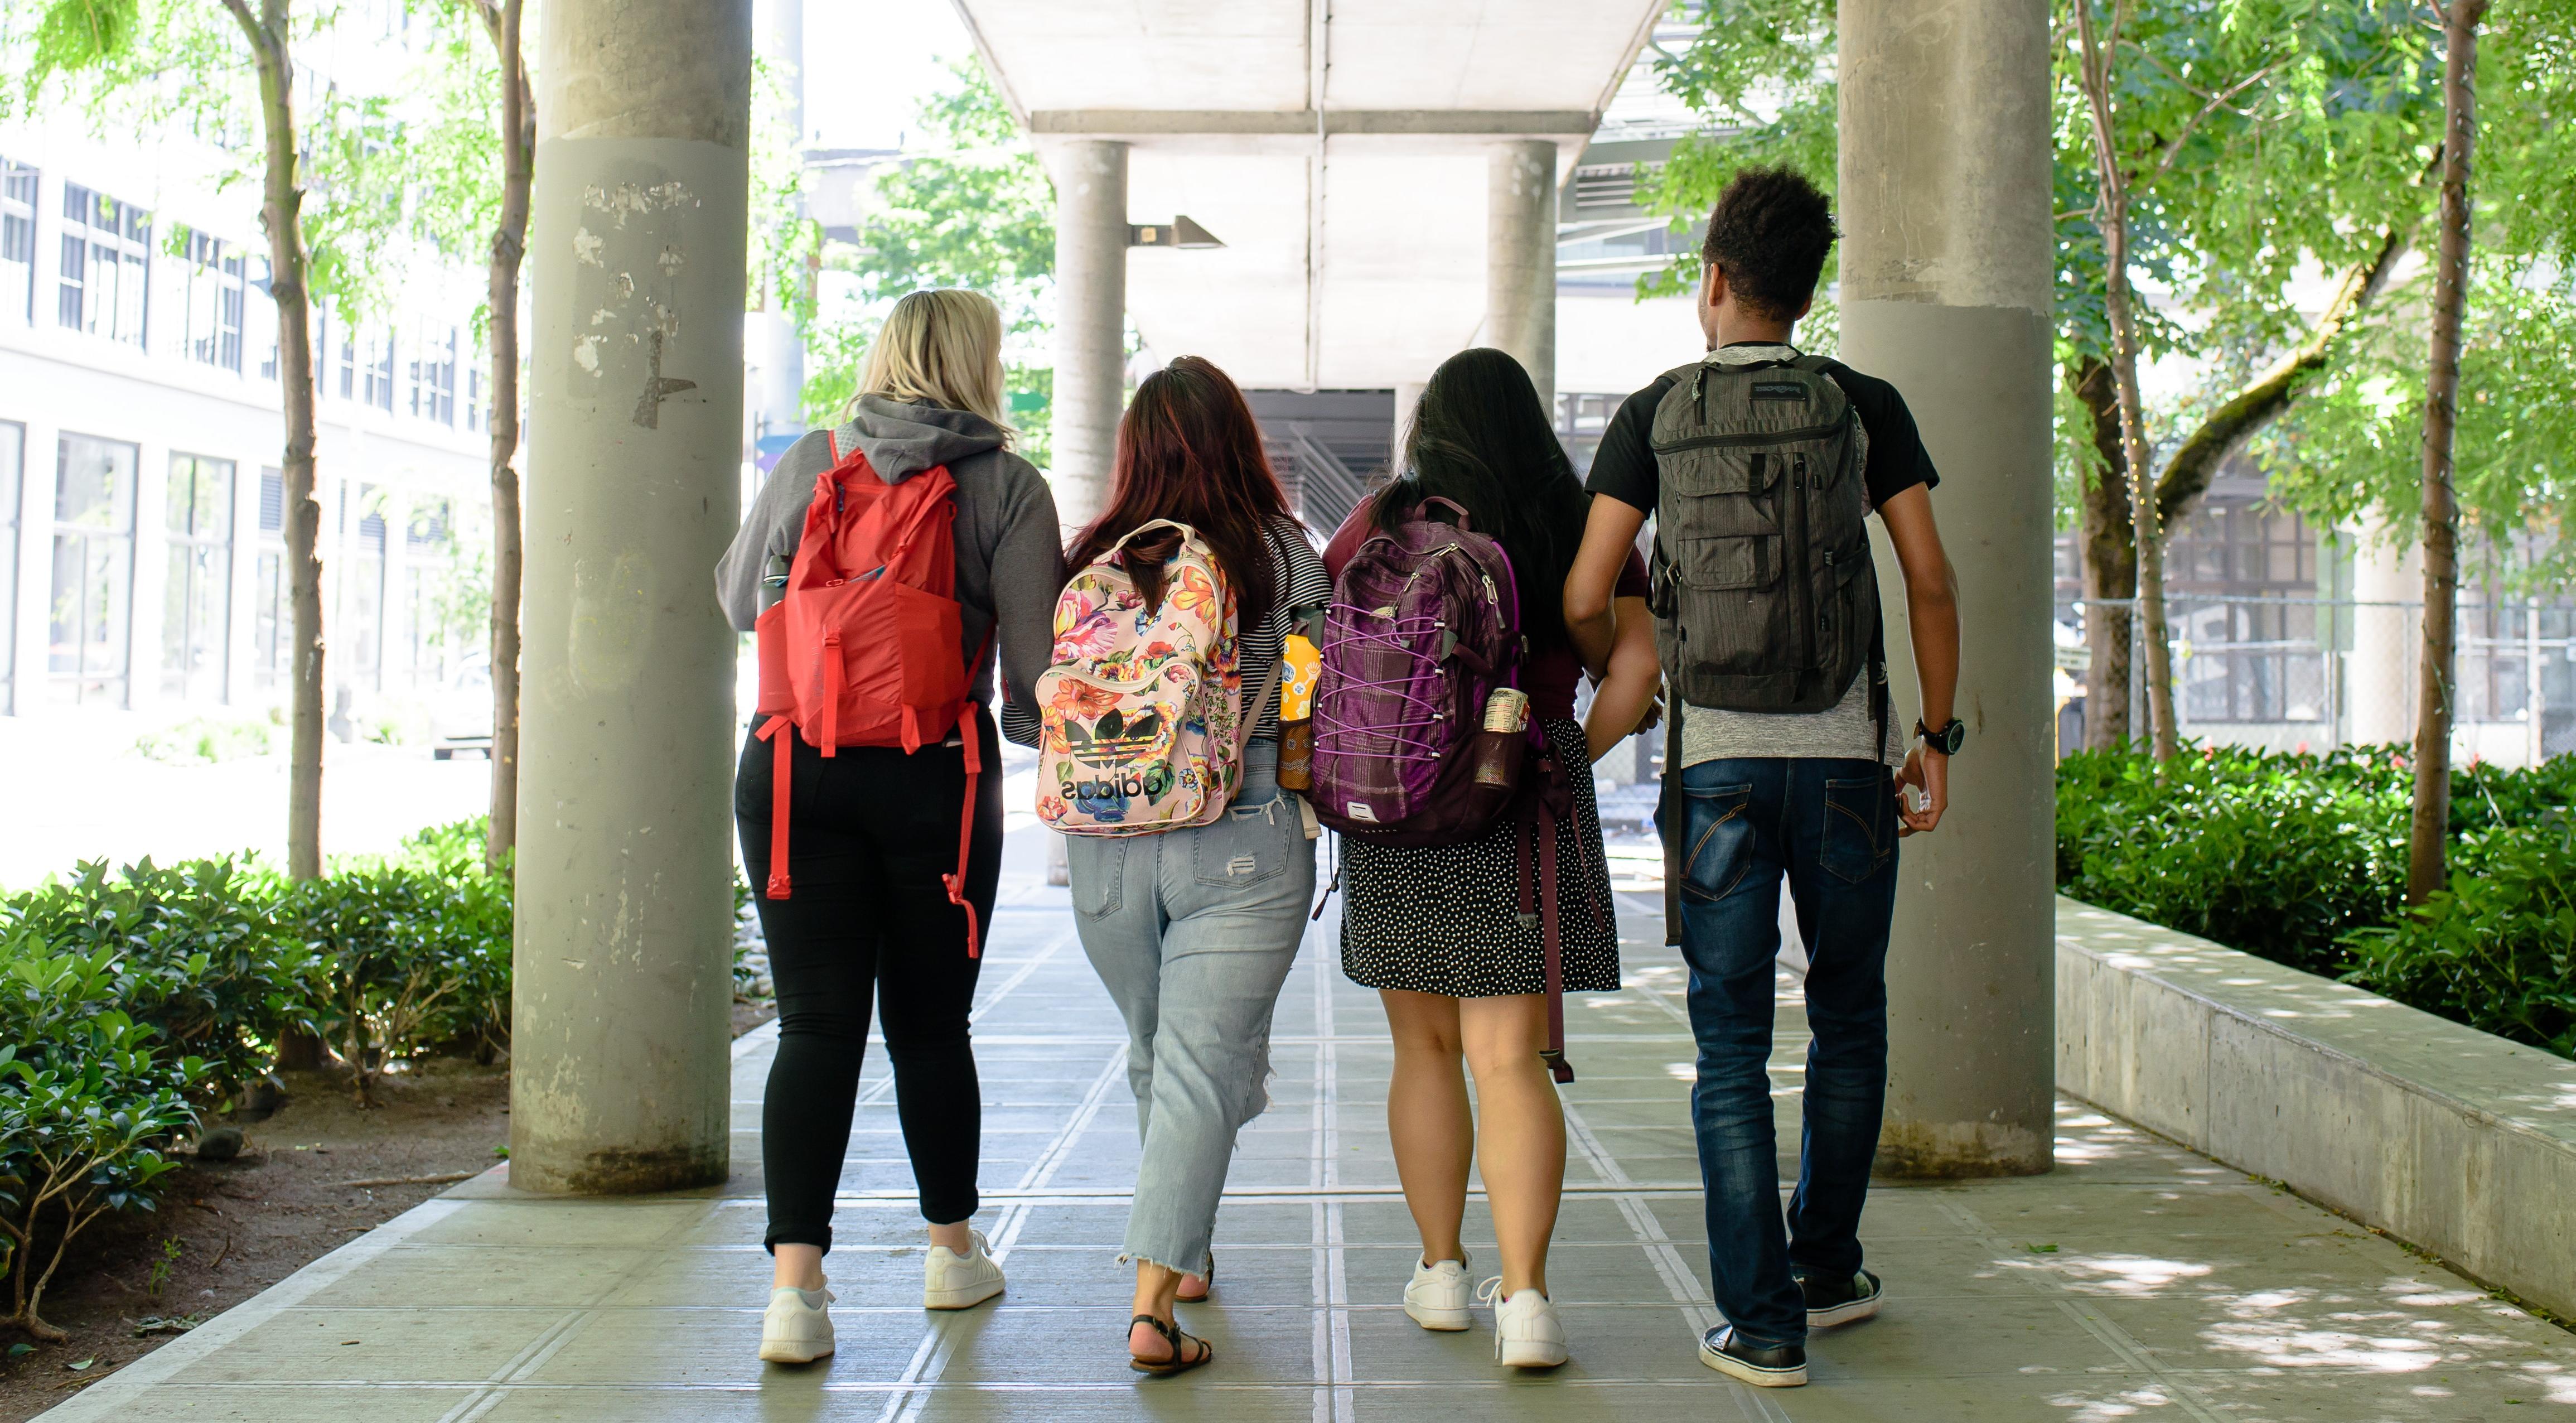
(1337, 147)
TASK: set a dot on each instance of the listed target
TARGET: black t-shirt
(1624, 467)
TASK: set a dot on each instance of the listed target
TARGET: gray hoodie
(1010, 564)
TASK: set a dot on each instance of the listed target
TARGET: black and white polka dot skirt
(1448, 919)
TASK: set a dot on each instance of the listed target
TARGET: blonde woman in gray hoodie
(873, 829)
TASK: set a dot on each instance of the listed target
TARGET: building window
(260, 273)
(197, 601)
(105, 286)
(433, 378)
(92, 616)
(13, 460)
(429, 543)
(348, 363)
(380, 373)
(361, 623)
(2496, 641)
(2243, 580)
(474, 416)
(272, 609)
(2243, 548)
(217, 287)
(18, 240)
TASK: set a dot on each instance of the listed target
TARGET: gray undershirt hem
(1840, 733)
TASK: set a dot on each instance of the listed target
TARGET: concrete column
(2387, 635)
(620, 1008)
(1947, 250)
(1520, 259)
(1090, 322)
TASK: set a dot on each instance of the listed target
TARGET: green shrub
(456, 840)
(412, 957)
(2278, 855)
(89, 1102)
(198, 954)
(2302, 859)
(202, 738)
(126, 995)
(2486, 798)
(2497, 949)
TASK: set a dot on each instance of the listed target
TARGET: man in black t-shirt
(1808, 795)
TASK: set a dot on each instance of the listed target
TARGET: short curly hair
(1769, 233)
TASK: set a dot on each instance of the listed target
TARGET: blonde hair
(942, 345)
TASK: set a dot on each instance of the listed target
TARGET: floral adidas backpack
(1144, 713)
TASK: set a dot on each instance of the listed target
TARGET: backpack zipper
(1755, 437)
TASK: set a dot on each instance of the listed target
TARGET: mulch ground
(240, 1226)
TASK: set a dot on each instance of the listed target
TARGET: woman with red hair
(1193, 930)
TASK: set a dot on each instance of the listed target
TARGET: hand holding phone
(1922, 791)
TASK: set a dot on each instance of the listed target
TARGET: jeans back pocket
(1247, 844)
(1719, 849)
(1097, 867)
(1860, 827)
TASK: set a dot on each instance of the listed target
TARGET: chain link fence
(2293, 673)
(2283, 674)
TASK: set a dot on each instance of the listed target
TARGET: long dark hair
(1189, 450)
(1480, 438)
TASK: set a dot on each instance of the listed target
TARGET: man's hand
(1928, 771)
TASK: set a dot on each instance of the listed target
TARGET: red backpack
(862, 648)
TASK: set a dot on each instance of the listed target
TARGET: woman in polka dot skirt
(1438, 932)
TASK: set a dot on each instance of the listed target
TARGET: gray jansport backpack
(1764, 596)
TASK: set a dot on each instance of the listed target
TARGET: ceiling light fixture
(1179, 232)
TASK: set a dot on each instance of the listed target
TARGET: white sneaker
(1527, 1333)
(1437, 1297)
(953, 1281)
(798, 1328)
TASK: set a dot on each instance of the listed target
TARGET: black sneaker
(1840, 1301)
(1763, 1366)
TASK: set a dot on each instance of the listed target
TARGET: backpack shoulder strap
(1814, 365)
(1251, 712)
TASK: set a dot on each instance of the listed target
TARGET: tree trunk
(2426, 867)
(281, 213)
(2110, 566)
(2112, 215)
(2146, 528)
(509, 247)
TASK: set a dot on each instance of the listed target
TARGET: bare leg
(959, 1237)
(797, 1266)
(1521, 1129)
(1156, 1289)
(1427, 1118)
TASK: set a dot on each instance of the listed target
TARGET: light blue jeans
(1193, 932)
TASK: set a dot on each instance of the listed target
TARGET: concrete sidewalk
(2138, 1281)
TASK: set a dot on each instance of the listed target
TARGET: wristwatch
(1947, 740)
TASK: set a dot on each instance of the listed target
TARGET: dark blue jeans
(1831, 826)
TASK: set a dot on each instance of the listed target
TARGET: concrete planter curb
(2456, 1140)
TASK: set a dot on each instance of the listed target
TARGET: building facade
(2290, 636)
(142, 552)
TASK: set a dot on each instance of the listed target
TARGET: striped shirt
(1298, 573)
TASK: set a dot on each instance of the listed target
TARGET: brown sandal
(1180, 1362)
(1207, 1283)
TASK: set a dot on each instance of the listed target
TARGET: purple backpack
(1424, 625)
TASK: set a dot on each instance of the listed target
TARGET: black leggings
(870, 832)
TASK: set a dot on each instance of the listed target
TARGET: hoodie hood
(901, 438)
